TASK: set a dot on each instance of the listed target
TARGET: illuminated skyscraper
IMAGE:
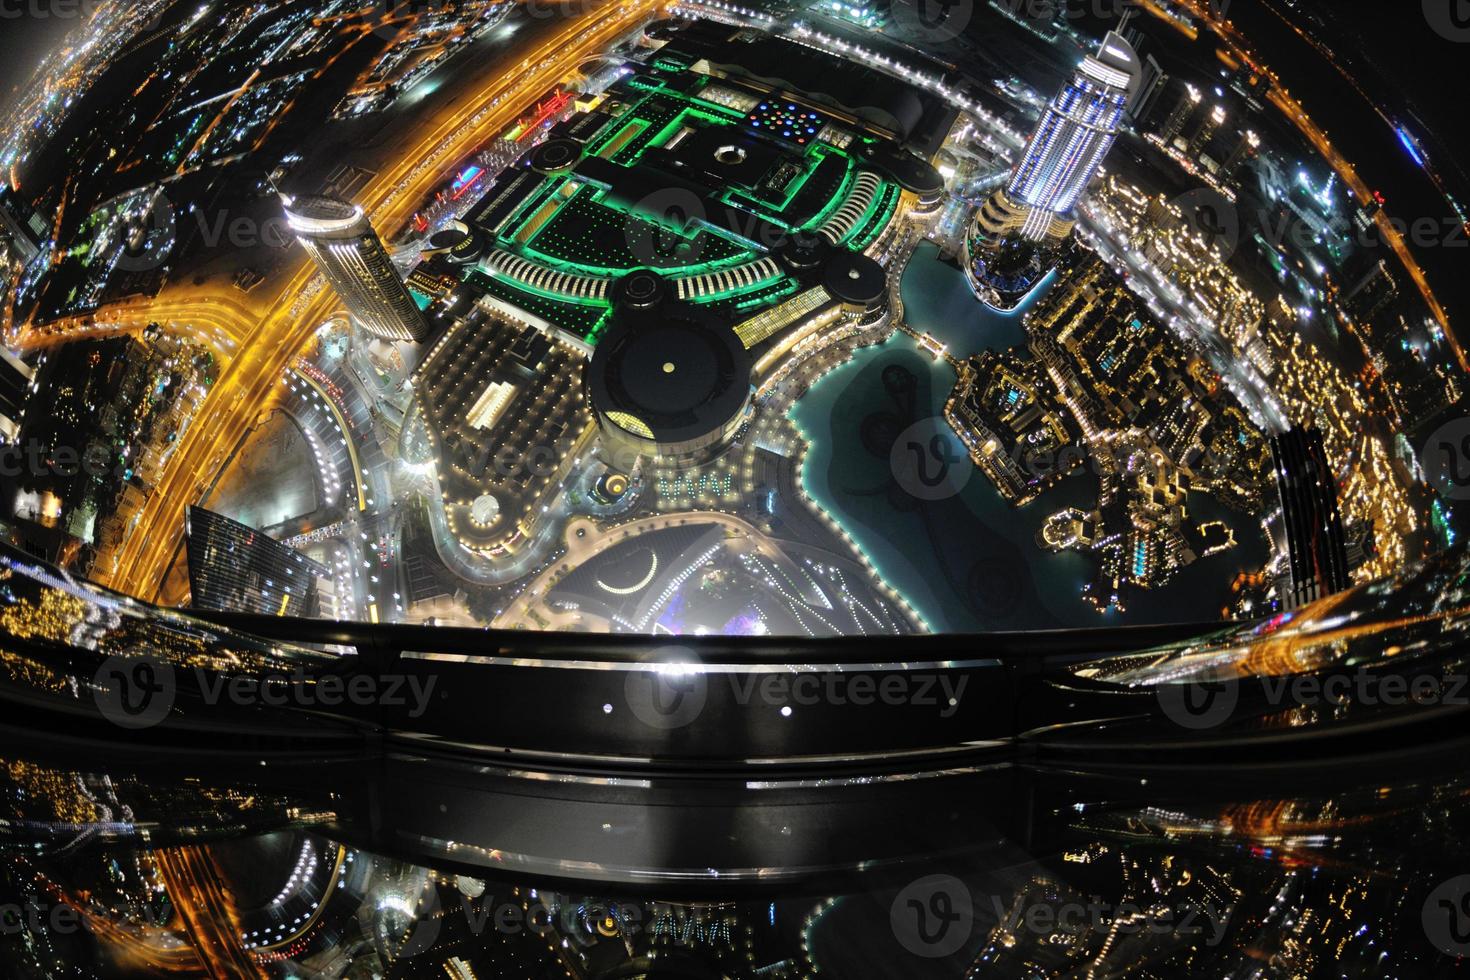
(235, 568)
(1371, 294)
(1074, 134)
(1151, 88)
(21, 226)
(1011, 240)
(1316, 543)
(341, 241)
(1207, 130)
(1248, 147)
(15, 382)
(1183, 110)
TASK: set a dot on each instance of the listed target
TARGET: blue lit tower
(1064, 153)
(1074, 134)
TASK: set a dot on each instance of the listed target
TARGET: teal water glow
(937, 300)
(970, 562)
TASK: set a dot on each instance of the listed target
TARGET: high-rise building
(1150, 90)
(1372, 294)
(21, 225)
(1075, 132)
(1011, 241)
(1249, 145)
(1422, 397)
(235, 568)
(1208, 127)
(15, 383)
(341, 241)
(1179, 118)
(871, 14)
(1316, 543)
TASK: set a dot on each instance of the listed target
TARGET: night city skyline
(763, 489)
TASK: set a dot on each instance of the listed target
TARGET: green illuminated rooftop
(691, 176)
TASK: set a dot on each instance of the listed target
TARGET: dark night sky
(1413, 59)
(1399, 38)
(24, 41)
(1396, 40)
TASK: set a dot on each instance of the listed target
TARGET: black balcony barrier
(86, 663)
(705, 701)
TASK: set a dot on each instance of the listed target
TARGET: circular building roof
(803, 251)
(458, 241)
(554, 155)
(469, 249)
(673, 375)
(666, 29)
(907, 170)
(324, 216)
(640, 289)
(485, 510)
(854, 278)
(321, 208)
(451, 237)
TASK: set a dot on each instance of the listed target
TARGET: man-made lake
(962, 556)
(937, 300)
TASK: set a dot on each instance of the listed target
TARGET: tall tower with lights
(1248, 147)
(341, 241)
(235, 568)
(1316, 544)
(1203, 136)
(1074, 134)
(1034, 209)
(1188, 104)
